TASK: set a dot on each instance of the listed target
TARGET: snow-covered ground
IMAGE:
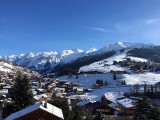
(5, 67)
(131, 79)
(137, 59)
(89, 79)
(97, 93)
(106, 65)
(114, 86)
(148, 78)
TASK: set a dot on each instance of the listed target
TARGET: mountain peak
(91, 50)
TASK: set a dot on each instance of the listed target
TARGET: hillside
(10, 68)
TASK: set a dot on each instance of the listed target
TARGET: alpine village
(117, 82)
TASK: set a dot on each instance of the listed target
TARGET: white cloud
(139, 24)
(152, 21)
(138, 30)
(97, 29)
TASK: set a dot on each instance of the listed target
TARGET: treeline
(149, 91)
(148, 53)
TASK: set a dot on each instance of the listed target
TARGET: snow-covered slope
(7, 67)
(38, 61)
(123, 45)
(106, 65)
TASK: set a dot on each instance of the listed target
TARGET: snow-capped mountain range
(37, 61)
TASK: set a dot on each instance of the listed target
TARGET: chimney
(45, 104)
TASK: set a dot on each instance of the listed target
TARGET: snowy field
(131, 79)
(97, 93)
(148, 78)
(89, 79)
(113, 85)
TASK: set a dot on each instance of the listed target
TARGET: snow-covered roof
(135, 98)
(50, 109)
(57, 88)
(80, 90)
(127, 103)
(34, 87)
(37, 97)
(42, 90)
(84, 102)
(6, 87)
(4, 91)
(113, 105)
(113, 96)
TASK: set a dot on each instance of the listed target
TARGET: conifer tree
(155, 91)
(101, 83)
(77, 76)
(145, 89)
(145, 111)
(77, 113)
(114, 76)
(124, 83)
(60, 103)
(21, 93)
(152, 92)
(105, 83)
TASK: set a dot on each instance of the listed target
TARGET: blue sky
(46, 25)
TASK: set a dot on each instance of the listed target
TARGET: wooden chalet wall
(39, 115)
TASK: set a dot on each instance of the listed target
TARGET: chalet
(89, 104)
(127, 106)
(104, 109)
(111, 97)
(80, 91)
(61, 83)
(41, 91)
(51, 86)
(34, 87)
(35, 83)
(62, 95)
(48, 94)
(4, 91)
(38, 111)
(11, 76)
(59, 90)
(4, 101)
(7, 87)
(96, 86)
(97, 107)
(41, 97)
